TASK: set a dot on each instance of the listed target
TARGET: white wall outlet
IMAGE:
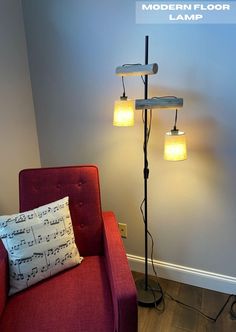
(123, 230)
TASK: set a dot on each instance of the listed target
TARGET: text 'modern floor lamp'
(149, 291)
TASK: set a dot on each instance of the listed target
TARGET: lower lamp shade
(175, 146)
(124, 113)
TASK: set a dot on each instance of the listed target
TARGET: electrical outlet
(123, 230)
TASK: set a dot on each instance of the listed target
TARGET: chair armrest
(3, 277)
(123, 289)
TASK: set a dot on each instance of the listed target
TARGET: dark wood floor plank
(183, 317)
(177, 318)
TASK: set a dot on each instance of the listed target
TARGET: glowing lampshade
(175, 146)
(123, 112)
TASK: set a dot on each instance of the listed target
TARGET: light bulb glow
(175, 146)
(123, 113)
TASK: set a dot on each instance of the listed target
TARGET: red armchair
(97, 295)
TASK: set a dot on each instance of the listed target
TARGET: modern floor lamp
(149, 291)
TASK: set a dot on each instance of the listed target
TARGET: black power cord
(166, 294)
(233, 309)
(213, 319)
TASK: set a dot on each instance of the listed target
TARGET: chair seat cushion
(78, 299)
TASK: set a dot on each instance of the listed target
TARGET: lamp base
(150, 297)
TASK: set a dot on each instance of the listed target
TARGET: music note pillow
(40, 243)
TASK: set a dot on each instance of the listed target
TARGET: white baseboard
(187, 275)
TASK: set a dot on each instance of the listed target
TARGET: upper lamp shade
(124, 113)
(175, 146)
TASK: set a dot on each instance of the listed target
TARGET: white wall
(18, 137)
(74, 47)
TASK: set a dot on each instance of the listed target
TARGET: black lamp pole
(146, 170)
(149, 291)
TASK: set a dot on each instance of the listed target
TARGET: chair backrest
(81, 183)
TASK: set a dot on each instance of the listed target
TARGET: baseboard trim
(187, 275)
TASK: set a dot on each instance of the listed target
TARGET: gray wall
(74, 47)
(18, 137)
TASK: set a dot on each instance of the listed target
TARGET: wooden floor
(177, 318)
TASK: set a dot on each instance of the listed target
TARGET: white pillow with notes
(40, 243)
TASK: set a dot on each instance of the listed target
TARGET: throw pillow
(40, 243)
